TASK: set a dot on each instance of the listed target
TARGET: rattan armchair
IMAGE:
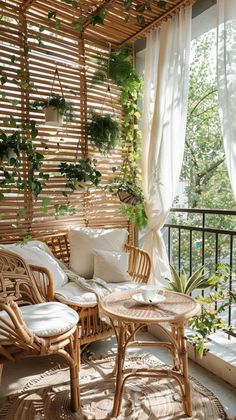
(20, 337)
(92, 328)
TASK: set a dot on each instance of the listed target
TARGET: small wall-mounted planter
(53, 116)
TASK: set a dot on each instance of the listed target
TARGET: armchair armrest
(139, 264)
(44, 281)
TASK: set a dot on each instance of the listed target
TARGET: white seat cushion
(111, 266)
(72, 294)
(46, 319)
(34, 254)
(84, 240)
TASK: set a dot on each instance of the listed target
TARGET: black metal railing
(203, 236)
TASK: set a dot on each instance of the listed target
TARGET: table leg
(119, 371)
(175, 354)
(183, 355)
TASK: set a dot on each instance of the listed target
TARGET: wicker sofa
(92, 327)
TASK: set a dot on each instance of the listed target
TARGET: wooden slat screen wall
(75, 60)
(10, 39)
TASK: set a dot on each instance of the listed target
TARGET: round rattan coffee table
(127, 317)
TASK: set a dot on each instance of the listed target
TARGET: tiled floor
(15, 376)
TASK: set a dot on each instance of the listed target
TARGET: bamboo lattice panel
(57, 43)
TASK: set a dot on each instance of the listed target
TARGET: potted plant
(81, 174)
(210, 319)
(104, 132)
(56, 108)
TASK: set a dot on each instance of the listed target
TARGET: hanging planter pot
(57, 108)
(53, 116)
(128, 197)
(130, 194)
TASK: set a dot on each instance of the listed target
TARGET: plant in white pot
(57, 109)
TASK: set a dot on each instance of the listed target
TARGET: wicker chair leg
(1, 370)
(74, 350)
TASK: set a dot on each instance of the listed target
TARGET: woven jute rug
(47, 396)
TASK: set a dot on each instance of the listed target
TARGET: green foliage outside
(204, 167)
(204, 160)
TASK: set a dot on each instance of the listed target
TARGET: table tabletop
(176, 308)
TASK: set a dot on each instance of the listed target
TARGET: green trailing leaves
(3, 79)
(73, 3)
(78, 24)
(82, 174)
(45, 204)
(136, 214)
(13, 149)
(104, 132)
(52, 14)
(64, 209)
(98, 19)
(118, 68)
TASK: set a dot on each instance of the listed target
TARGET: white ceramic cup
(149, 292)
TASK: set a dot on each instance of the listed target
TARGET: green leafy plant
(135, 214)
(14, 148)
(118, 68)
(9, 147)
(81, 173)
(213, 304)
(198, 280)
(58, 102)
(64, 209)
(210, 319)
(104, 132)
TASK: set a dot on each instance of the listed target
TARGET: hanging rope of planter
(54, 111)
(56, 106)
(104, 129)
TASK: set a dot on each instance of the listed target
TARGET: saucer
(138, 297)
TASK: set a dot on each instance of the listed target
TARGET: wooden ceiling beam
(26, 4)
(164, 16)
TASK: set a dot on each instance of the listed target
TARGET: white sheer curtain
(226, 76)
(163, 128)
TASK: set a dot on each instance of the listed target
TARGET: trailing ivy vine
(97, 17)
(14, 149)
(118, 68)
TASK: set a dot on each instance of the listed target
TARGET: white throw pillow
(111, 266)
(84, 240)
(34, 255)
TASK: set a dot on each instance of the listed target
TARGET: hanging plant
(57, 108)
(15, 148)
(81, 174)
(118, 68)
(104, 132)
(130, 193)
(135, 214)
